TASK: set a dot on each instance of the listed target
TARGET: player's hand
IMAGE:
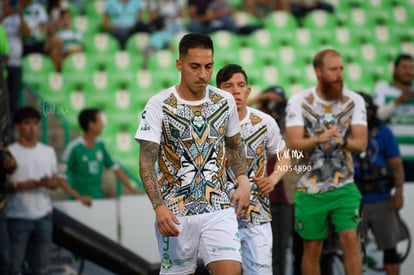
(166, 221)
(241, 197)
(397, 201)
(87, 201)
(327, 134)
(265, 184)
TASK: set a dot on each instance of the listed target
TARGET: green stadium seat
(359, 24)
(243, 18)
(53, 89)
(282, 25)
(345, 43)
(163, 63)
(290, 61)
(137, 43)
(102, 43)
(144, 86)
(269, 75)
(371, 61)
(407, 46)
(263, 44)
(226, 44)
(401, 23)
(377, 10)
(249, 60)
(120, 143)
(357, 79)
(95, 8)
(87, 25)
(36, 67)
(77, 63)
(321, 25)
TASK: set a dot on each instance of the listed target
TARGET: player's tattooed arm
(235, 155)
(148, 154)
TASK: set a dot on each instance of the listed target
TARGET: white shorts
(212, 237)
(257, 243)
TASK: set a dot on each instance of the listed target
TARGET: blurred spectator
(273, 102)
(122, 18)
(160, 39)
(4, 51)
(85, 158)
(378, 170)
(29, 208)
(54, 8)
(42, 37)
(301, 8)
(72, 39)
(395, 103)
(7, 166)
(261, 8)
(16, 27)
(172, 11)
(208, 16)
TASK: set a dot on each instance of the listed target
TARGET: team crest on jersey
(99, 155)
(198, 121)
(166, 262)
(299, 225)
(84, 158)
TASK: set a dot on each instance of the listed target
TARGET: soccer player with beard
(327, 123)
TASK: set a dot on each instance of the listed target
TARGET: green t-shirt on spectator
(4, 47)
(84, 167)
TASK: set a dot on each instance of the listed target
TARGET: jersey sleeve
(275, 143)
(359, 116)
(293, 112)
(107, 159)
(150, 125)
(233, 125)
(66, 164)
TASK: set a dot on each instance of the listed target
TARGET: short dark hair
(403, 56)
(227, 72)
(26, 112)
(195, 40)
(86, 116)
(320, 56)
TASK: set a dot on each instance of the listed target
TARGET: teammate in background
(192, 131)
(29, 208)
(85, 157)
(395, 103)
(377, 171)
(261, 139)
(327, 123)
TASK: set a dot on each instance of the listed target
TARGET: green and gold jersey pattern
(192, 174)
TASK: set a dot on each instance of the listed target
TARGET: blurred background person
(16, 28)
(273, 101)
(378, 170)
(208, 16)
(395, 103)
(172, 11)
(122, 18)
(71, 38)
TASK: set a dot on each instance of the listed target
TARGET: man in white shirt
(395, 103)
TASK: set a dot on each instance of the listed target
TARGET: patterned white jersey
(260, 137)
(192, 177)
(331, 165)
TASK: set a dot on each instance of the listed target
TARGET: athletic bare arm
(398, 177)
(165, 219)
(237, 161)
